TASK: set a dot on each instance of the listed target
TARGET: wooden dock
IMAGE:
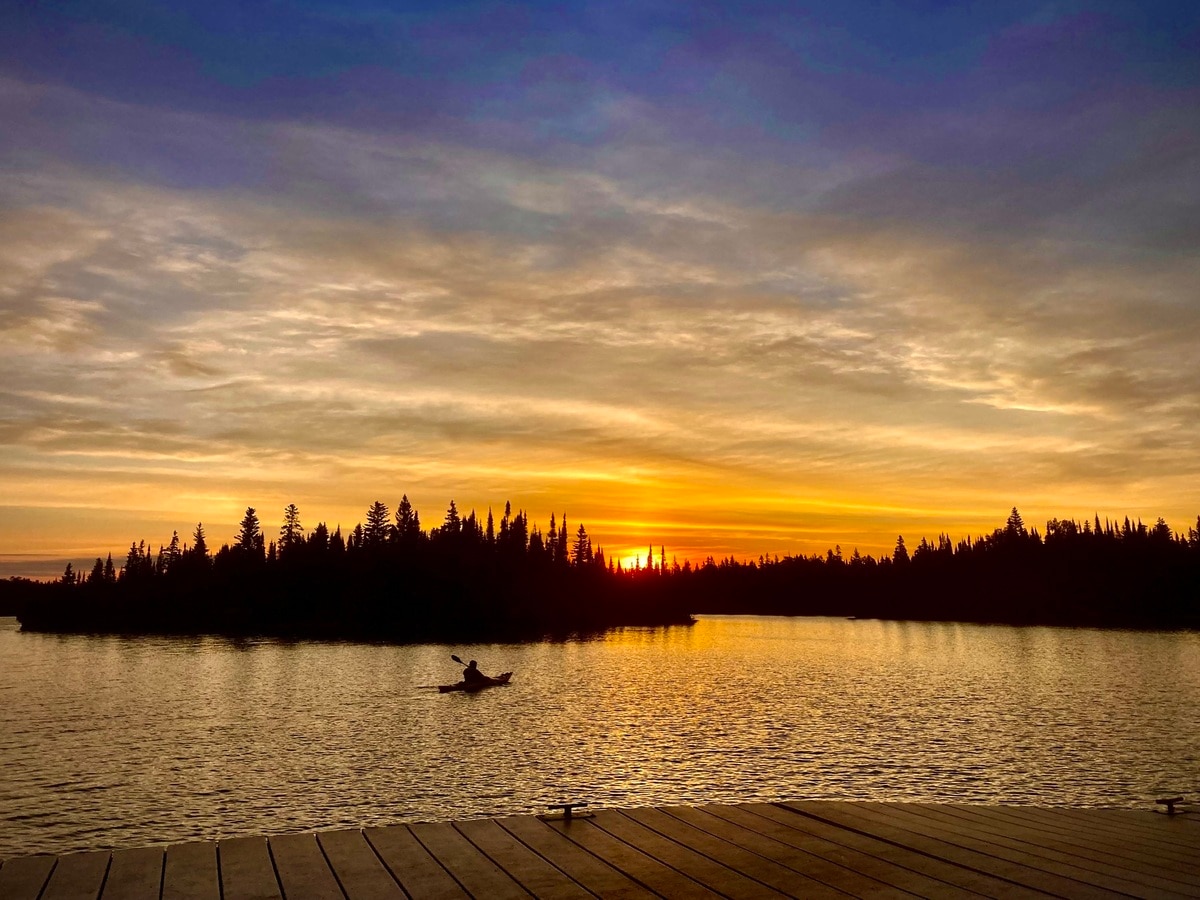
(809, 849)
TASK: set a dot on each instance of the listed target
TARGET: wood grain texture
(755, 851)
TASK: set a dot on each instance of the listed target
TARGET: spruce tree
(249, 539)
(378, 529)
(291, 533)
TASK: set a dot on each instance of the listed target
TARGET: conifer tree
(453, 523)
(291, 533)
(319, 538)
(378, 529)
(199, 544)
(582, 553)
(249, 539)
(408, 523)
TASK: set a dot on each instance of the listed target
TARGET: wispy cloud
(664, 311)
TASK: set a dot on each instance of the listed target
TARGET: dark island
(469, 579)
(386, 580)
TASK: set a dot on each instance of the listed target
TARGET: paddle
(453, 657)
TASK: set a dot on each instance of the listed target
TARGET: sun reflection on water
(119, 742)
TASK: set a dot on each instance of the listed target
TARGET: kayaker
(472, 675)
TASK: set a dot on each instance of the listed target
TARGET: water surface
(110, 742)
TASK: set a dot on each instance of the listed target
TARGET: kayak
(477, 685)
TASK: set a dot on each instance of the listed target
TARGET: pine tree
(132, 562)
(291, 533)
(378, 529)
(318, 539)
(199, 544)
(453, 523)
(408, 524)
(337, 544)
(582, 553)
(249, 539)
(172, 554)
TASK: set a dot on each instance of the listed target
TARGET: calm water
(120, 742)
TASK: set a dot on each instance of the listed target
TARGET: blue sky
(737, 279)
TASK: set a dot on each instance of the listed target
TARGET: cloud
(224, 311)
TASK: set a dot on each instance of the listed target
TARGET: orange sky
(763, 285)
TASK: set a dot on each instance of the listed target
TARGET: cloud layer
(728, 288)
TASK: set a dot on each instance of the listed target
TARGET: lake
(113, 742)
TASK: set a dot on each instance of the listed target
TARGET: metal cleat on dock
(1169, 803)
(568, 812)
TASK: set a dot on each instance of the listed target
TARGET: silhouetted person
(472, 675)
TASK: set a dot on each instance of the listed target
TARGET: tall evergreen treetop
(453, 523)
(249, 539)
(291, 533)
(199, 544)
(379, 525)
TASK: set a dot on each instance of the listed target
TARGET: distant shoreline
(466, 580)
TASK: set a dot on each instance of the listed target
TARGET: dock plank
(477, 874)
(1107, 874)
(247, 872)
(1146, 824)
(1167, 839)
(922, 852)
(652, 873)
(865, 852)
(411, 864)
(963, 850)
(591, 873)
(1003, 846)
(24, 877)
(1153, 821)
(1106, 856)
(527, 868)
(134, 875)
(855, 873)
(812, 849)
(78, 876)
(304, 873)
(358, 869)
(190, 872)
(717, 842)
(696, 865)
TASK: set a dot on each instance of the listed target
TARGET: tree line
(1075, 573)
(391, 579)
(388, 578)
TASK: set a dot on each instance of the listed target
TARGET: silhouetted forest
(392, 580)
(387, 579)
(1089, 573)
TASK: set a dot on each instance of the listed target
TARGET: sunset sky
(730, 278)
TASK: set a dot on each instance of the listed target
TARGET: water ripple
(108, 742)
